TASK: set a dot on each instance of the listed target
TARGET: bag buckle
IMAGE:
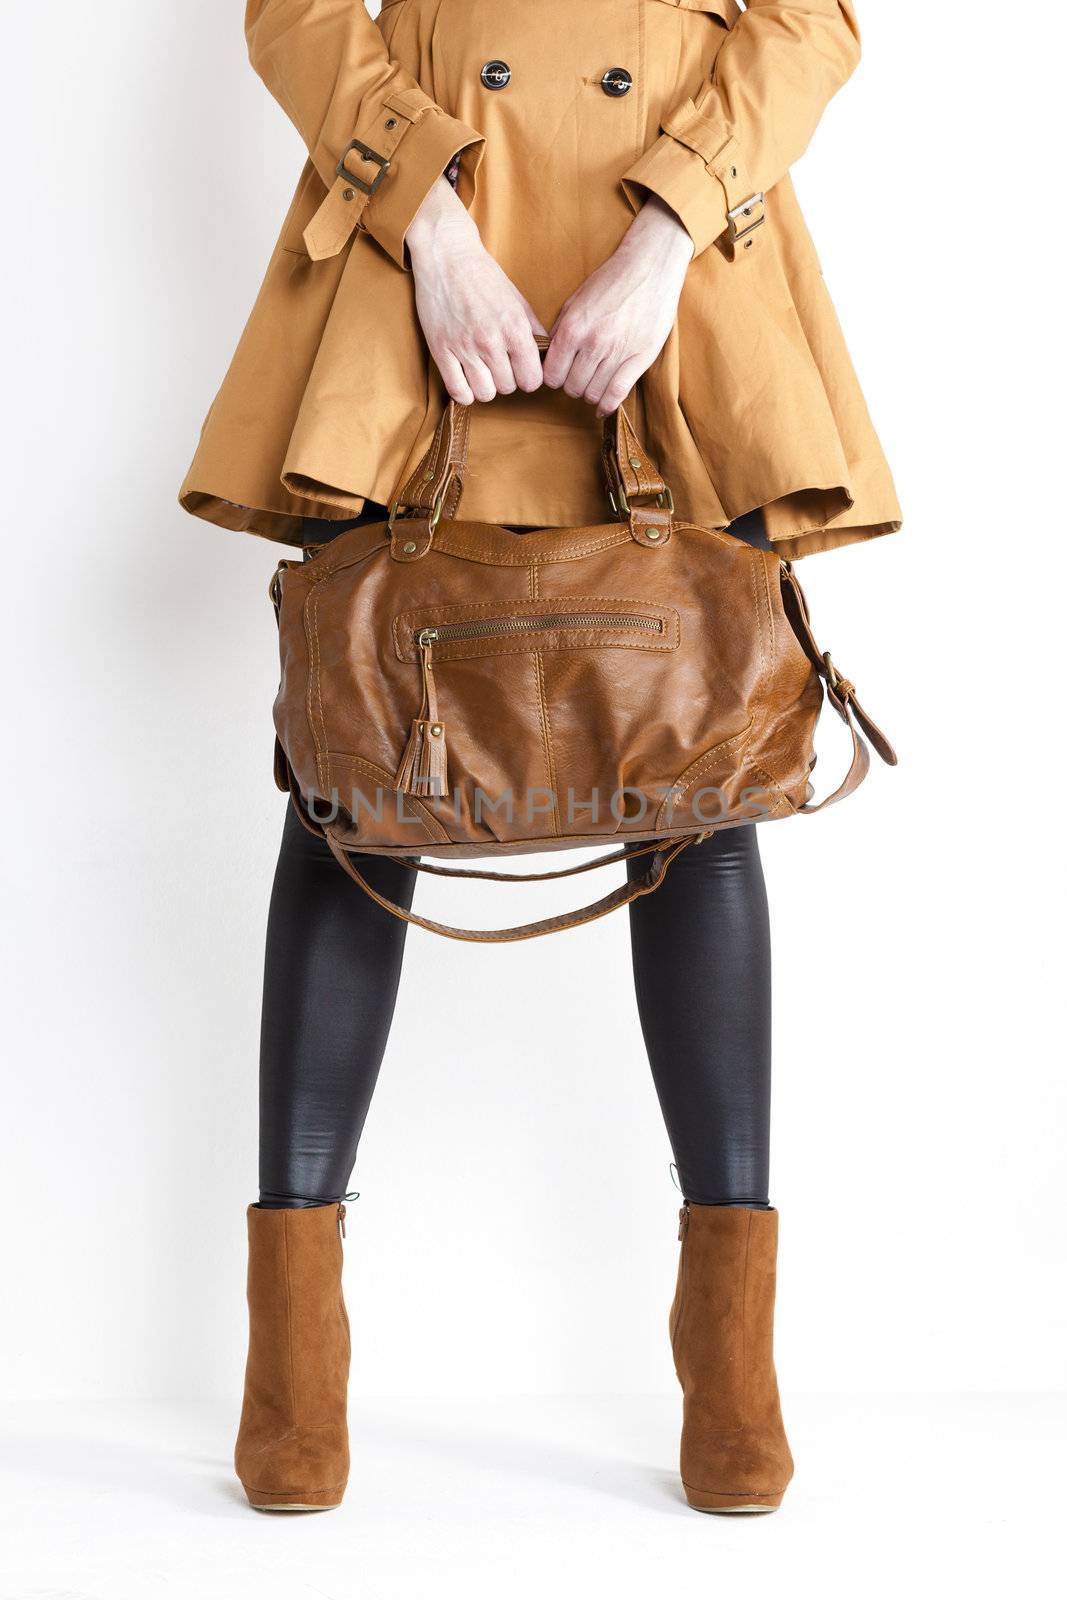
(398, 511)
(368, 155)
(620, 502)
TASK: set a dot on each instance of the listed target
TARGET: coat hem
(335, 505)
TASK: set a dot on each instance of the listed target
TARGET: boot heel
(324, 1500)
(750, 1504)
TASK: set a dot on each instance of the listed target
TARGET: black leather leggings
(702, 973)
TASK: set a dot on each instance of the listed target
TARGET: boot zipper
(341, 1220)
(485, 626)
(683, 1232)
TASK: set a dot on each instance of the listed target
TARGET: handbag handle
(635, 485)
(661, 857)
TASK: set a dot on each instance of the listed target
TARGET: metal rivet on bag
(653, 533)
(635, 461)
(496, 75)
(437, 730)
(616, 81)
(410, 547)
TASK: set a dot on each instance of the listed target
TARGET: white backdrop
(516, 1230)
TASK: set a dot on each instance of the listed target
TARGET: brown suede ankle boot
(292, 1445)
(734, 1451)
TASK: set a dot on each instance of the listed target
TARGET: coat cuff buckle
(745, 218)
(368, 154)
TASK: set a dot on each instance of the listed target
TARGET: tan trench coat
(331, 396)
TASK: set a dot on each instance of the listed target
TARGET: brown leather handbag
(454, 688)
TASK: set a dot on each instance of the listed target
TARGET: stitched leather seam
(756, 566)
(329, 569)
(679, 789)
(318, 673)
(772, 781)
(492, 558)
(710, 755)
(433, 828)
(753, 569)
(540, 602)
(771, 624)
(692, 772)
(418, 477)
(546, 725)
(311, 632)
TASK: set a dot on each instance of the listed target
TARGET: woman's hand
(615, 325)
(478, 326)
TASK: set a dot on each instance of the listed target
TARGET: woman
(614, 173)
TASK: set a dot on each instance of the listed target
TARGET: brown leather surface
(678, 680)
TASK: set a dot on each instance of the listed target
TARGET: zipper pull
(341, 1219)
(683, 1222)
(423, 767)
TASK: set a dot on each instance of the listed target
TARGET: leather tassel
(423, 768)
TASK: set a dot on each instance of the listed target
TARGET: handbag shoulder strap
(660, 859)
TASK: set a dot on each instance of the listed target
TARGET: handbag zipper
(485, 626)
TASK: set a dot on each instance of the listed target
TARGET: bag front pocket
(433, 636)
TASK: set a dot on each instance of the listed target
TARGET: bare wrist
(657, 226)
(441, 215)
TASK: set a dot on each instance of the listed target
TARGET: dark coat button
(616, 81)
(496, 74)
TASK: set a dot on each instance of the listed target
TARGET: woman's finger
(498, 361)
(562, 349)
(479, 377)
(525, 359)
(594, 389)
(585, 363)
(452, 377)
(620, 384)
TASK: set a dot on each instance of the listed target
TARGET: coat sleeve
(326, 64)
(773, 75)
